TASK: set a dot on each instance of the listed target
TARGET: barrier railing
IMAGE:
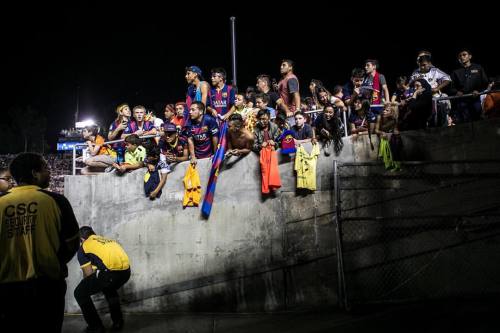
(344, 117)
(484, 92)
(105, 143)
(435, 100)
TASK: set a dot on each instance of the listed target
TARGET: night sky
(138, 54)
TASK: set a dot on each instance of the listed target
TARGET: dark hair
(236, 116)
(3, 170)
(329, 105)
(290, 63)
(94, 129)
(424, 58)
(153, 152)
(264, 97)
(23, 165)
(358, 73)
(250, 91)
(402, 80)
(262, 112)
(334, 125)
(200, 106)
(299, 113)
(280, 117)
(365, 105)
(464, 49)
(323, 90)
(133, 139)
(318, 83)
(338, 88)
(374, 62)
(219, 70)
(86, 232)
(357, 98)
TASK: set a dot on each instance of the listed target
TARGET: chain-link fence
(430, 230)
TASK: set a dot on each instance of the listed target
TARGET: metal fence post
(74, 160)
(338, 231)
(345, 121)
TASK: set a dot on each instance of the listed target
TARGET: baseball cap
(169, 127)
(194, 69)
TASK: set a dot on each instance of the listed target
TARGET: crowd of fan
(59, 165)
(275, 115)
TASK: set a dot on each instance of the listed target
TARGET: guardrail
(105, 143)
(344, 117)
(435, 100)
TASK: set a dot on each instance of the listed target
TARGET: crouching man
(106, 268)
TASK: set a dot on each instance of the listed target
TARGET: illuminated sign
(68, 145)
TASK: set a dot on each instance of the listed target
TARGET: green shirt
(135, 157)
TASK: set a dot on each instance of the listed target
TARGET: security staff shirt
(34, 227)
(103, 253)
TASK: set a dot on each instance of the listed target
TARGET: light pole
(233, 50)
(77, 104)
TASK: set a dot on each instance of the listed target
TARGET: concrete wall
(254, 253)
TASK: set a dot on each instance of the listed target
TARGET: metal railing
(484, 92)
(435, 100)
(344, 117)
(105, 143)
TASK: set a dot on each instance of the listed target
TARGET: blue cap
(194, 69)
(169, 127)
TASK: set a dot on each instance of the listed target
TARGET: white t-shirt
(158, 122)
(434, 76)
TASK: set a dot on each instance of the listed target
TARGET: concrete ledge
(208, 261)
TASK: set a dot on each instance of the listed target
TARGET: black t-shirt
(469, 79)
(273, 98)
(330, 125)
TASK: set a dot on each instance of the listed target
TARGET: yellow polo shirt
(104, 253)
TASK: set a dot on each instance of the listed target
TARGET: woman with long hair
(419, 106)
(328, 129)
